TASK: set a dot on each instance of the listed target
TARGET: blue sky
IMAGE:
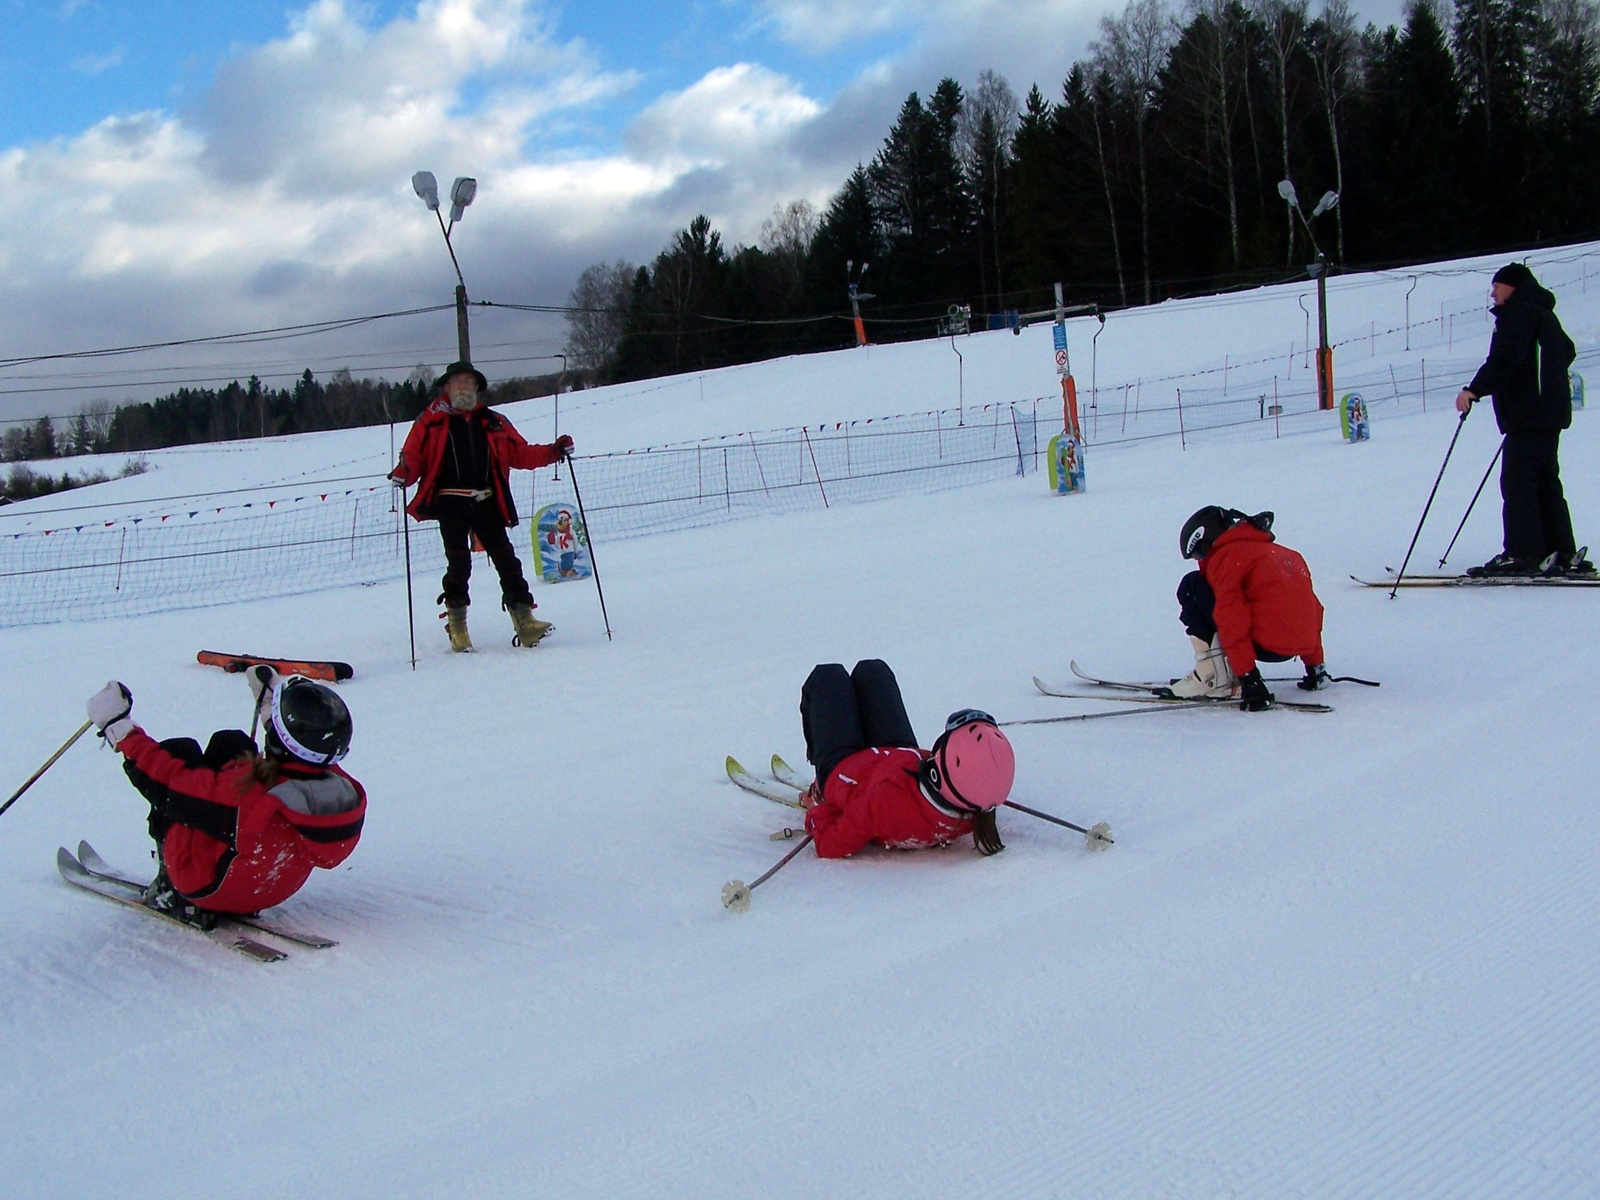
(185, 168)
(69, 63)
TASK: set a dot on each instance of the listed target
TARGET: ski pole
(1098, 838)
(736, 893)
(1474, 501)
(411, 615)
(1460, 423)
(1159, 706)
(588, 534)
(48, 763)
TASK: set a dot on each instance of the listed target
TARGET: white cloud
(824, 24)
(283, 195)
(95, 64)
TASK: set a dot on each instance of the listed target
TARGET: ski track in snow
(1335, 956)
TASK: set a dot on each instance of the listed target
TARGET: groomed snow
(1351, 954)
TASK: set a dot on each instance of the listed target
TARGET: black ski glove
(1316, 678)
(1253, 694)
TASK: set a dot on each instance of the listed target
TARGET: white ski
(778, 794)
(95, 865)
(223, 935)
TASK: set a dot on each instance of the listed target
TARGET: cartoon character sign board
(561, 543)
(1353, 418)
(1066, 464)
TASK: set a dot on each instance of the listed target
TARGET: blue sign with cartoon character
(1066, 464)
(1353, 418)
(561, 543)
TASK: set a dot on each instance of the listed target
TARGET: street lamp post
(462, 192)
(1318, 271)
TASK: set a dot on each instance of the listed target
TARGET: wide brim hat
(461, 368)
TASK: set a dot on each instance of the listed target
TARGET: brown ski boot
(529, 628)
(455, 624)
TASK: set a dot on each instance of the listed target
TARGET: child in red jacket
(874, 785)
(238, 831)
(460, 454)
(1251, 600)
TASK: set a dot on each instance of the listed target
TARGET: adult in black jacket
(1526, 373)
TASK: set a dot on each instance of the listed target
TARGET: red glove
(564, 446)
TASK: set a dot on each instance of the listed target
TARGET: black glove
(564, 446)
(1316, 679)
(1253, 694)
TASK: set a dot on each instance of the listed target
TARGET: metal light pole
(1318, 271)
(560, 379)
(462, 192)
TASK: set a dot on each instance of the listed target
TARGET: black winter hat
(1516, 274)
(461, 368)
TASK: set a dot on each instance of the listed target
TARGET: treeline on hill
(247, 410)
(1155, 172)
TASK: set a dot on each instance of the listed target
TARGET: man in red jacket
(1250, 600)
(238, 831)
(460, 454)
(874, 785)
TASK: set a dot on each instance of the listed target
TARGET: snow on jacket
(235, 846)
(423, 454)
(873, 796)
(1526, 371)
(1264, 598)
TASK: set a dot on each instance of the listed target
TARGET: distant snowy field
(1354, 954)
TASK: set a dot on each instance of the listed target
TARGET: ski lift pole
(588, 533)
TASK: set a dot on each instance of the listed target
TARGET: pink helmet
(973, 765)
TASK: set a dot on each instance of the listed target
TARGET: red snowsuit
(873, 796)
(267, 850)
(425, 446)
(1264, 598)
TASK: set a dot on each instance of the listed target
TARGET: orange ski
(333, 672)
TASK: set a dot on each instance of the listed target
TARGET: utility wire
(276, 334)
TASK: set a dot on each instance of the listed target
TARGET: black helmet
(1201, 531)
(1204, 528)
(308, 722)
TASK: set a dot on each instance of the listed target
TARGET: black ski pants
(1196, 603)
(842, 713)
(1535, 514)
(459, 518)
(168, 808)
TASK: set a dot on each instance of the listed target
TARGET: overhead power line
(277, 334)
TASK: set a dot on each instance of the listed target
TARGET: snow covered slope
(1351, 954)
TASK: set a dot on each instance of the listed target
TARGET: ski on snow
(90, 863)
(785, 776)
(223, 935)
(1154, 684)
(331, 672)
(1161, 694)
(1420, 581)
(784, 791)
